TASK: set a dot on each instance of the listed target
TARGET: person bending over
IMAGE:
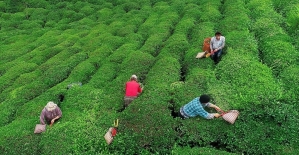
(196, 108)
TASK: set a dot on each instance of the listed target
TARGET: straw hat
(51, 106)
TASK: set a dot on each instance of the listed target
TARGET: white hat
(134, 76)
(51, 106)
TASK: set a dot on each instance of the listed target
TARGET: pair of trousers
(216, 56)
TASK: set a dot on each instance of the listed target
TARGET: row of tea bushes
(276, 50)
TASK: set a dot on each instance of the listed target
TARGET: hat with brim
(51, 106)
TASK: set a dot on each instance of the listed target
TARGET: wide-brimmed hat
(51, 106)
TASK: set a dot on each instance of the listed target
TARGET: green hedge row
(276, 51)
(237, 27)
(148, 119)
(265, 9)
(289, 79)
(210, 11)
(14, 72)
(159, 33)
(290, 12)
(244, 81)
(235, 17)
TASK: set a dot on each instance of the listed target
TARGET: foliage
(47, 45)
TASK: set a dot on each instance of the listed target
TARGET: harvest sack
(231, 116)
(39, 128)
(206, 45)
(200, 55)
(109, 135)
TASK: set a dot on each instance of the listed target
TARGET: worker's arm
(210, 105)
(59, 114)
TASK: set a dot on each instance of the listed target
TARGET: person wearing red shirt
(133, 89)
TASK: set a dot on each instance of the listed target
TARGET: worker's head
(218, 35)
(204, 99)
(51, 106)
(133, 78)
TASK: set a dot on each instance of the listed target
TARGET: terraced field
(47, 45)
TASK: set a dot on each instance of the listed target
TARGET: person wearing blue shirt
(196, 108)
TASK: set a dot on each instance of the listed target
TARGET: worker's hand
(217, 115)
(52, 121)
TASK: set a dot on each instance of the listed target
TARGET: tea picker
(111, 133)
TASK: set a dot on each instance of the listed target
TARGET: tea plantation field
(45, 45)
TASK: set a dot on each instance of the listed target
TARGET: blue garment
(216, 55)
(196, 108)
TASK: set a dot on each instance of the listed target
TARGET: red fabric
(113, 132)
(132, 88)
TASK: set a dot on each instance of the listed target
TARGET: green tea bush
(55, 16)
(8, 136)
(136, 17)
(87, 9)
(158, 75)
(110, 40)
(138, 63)
(8, 111)
(190, 61)
(104, 14)
(2, 6)
(185, 26)
(192, 10)
(161, 7)
(135, 38)
(289, 79)
(244, 81)
(242, 40)
(265, 28)
(14, 72)
(150, 106)
(149, 23)
(197, 150)
(153, 44)
(106, 72)
(98, 56)
(293, 19)
(232, 8)
(126, 30)
(278, 54)
(210, 11)
(82, 72)
(26, 25)
(129, 6)
(37, 14)
(239, 22)
(265, 9)
(59, 72)
(176, 46)
(37, 4)
(121, 53)
(171, 18)
(200, 32)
